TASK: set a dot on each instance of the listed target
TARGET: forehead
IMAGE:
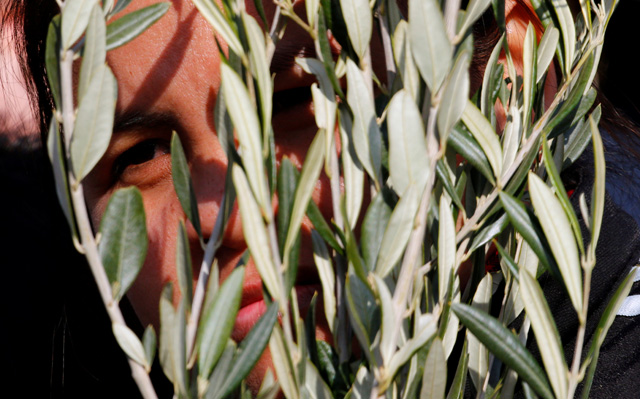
(173, 62)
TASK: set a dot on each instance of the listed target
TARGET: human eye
(142, 163)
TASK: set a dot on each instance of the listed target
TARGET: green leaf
(120, 5)
(605, 322)
(408, 155)
(464, 144)
(95, 53)
(308, 178)
(149, 342)
(487, 99)
(560, 191)
(504, 345)
(478, 353)
(475, 9)
(250, 350)
(599, 187)
(396, 235)
(546, 333)
(373, 227)
(526, 227)
(260, 69)
(247, 127)
(529, 58)
(94, 123)
(322, 227)
(430, 45)
(489, 232)
(366, 134)
(314, 387)
(557, 229)
(56, 156)
(217, 322)
(255, 232)
(404, 60)
(446, 246)
(180, 381)
(353, 174)
(130, 344)
(357, 17)
(128, 27)
(546, 50)
(511, 137)
(287, 183)
(389, 322)
(577, 140)
(444, 172)
(123, 245)
(182, 183)
(210, 11)
(362, 309)
(454, 96)
(52, 60)
(327, 277)
(457, 389)
(568, 30)
(75, 17)
(434, 379)
(483, 132)
(423, 335)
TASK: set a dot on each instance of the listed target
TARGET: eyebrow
(139, 119)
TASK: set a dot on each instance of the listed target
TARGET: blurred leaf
(210, 11)
(443, 172)
(353, 174)
(255, 232)
(130, 344)
(396, 235)
(388, 317)
(250, 350)
(546, 333)
(327, 277)
(314, 387)
(529, 58)
(454, 96)
(167, 320)
(446, 247)
(404, 60)
(357, 17)
(605, 322)
(129, 26)
(373, 228)
(362, 311)
(312, 9)
(557, 229)
(183, 265)
(430, 45)
(123, 245)
(478, 353)
(282, 364)
(483, 132)
(363, 384)
(308, 178)
(94, 54)
(511, 137)
(366, 135)
(56, 156)
(217, 322)
(487, 99)
(457, 389)
(546, 50)
(181, 380)
(260, 69)
(475, 9)
(434, 379)
(420, 339)
(120, 5)
(464, 144)
(504, 345)
(94, 123)
(149, 342)
(183, 184)
(408, 155)
(75, 17)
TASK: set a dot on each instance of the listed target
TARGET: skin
(168, 80)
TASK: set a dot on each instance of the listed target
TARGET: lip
(252, 309)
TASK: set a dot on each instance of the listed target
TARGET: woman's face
(168, 80)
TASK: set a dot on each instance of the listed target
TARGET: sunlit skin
(168, 80)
